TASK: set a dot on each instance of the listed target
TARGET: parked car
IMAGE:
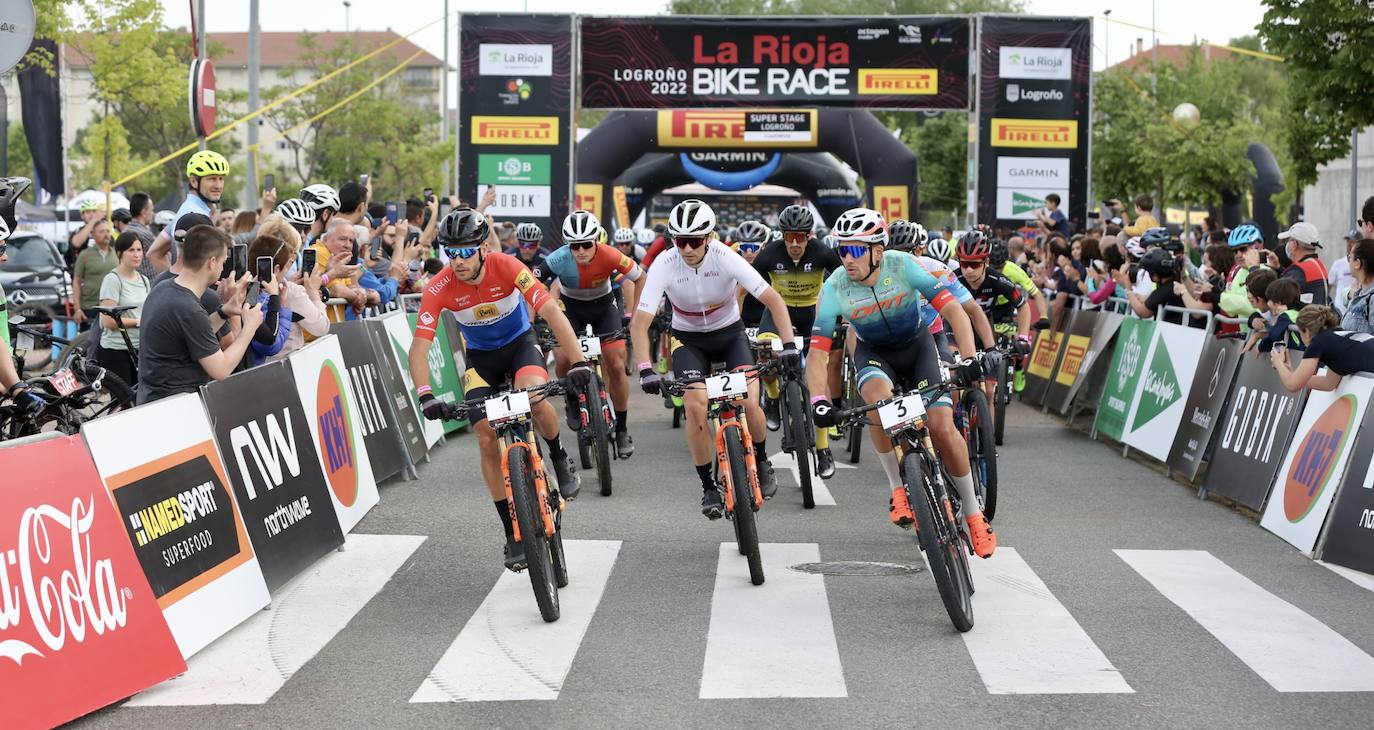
(36, 283)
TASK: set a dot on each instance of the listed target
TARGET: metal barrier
(1187, 313)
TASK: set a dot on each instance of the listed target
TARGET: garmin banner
(381, 436)
(515, 130)
(1202, 411)
(1256, 425)
(1034, 122)
(675, 61)
(1349, 537)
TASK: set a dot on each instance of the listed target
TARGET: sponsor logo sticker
(515, 130)
(899, 81)
(515, 59)
(1020, 62)
(1316, 458)
(1035, 133)
(337, 449)
(717, 128)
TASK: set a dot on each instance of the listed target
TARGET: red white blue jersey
(492, 313)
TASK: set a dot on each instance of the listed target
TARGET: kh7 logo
(336, 435)
(1315, 459)
(515, 130)
(1035, 133)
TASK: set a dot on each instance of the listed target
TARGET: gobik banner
(1133, 343)
(400, 396)
(515, 100)
(382, 436)
(1202, 411)
(1316, 461)
(79, 626)
(444, 377)
(903, 62)
(269, 450)
(1349, 539)
(1163, 388)
(1043, 359)
(1034, 97)
(395, 338)
(1257, 423)
(181, 516)
(336, 421)
(1105, 326)
(1072, 360)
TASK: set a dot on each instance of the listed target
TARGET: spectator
(337, 248)
(121, 219)
(1217, 262)
(1366, 222)
(1339, 351)
(161, 220)
(141, 211)
(271, 334)
(225, 220)
(91, 211)
(1338, 277)
(1357, 314)
(125, 286)
(1144, 219)
(1016, 250)
(1256, 289)
(1163, 269)
(1051, 219)
(205, 173)
(179, 352)
(245, 222)
(302, 305)
(92, 265)
(209, 300)
(1280, 296)
(1307, 269)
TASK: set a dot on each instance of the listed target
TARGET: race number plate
(23, 341)
(507, 406)
(729, 385)
(777, 344)
(64, 382)
(591, 346)
(902, 411)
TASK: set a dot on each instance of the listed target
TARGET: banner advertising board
(1040, 367)
(181, 516)
(1077, 341)
(1253, 436)
(381, 434)
(1349, 537)
(79, 626)
(515, 131)
(903, 62)
(332, 410)
(1203, 410)
(1033, 107)
(1105, 327)
(444, 380)
(1163, 389)
(400, 397)
(399, 337)
(1316, 461)
(269, 451)
(1134, 344)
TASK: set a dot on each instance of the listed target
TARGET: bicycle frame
(518, 436)
(726, 416)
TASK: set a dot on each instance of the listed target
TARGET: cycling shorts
(803, 320)
(490, 370)
(601, 313)
(912, 366)
(695, 352)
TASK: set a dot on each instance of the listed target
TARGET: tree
(19, 158)
(1326, 45)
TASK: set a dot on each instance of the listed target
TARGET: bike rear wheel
(746, 526)
(799, 426)
(854, 435)
(939, 537)
(529, 517)
(982, 455)
(600, 440)
(1001, 399)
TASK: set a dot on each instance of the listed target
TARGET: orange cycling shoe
(900, 509)
(984, 540)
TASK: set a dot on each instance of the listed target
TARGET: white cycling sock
(967, 495)
(889, 462)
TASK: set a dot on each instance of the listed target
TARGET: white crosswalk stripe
(785, 462)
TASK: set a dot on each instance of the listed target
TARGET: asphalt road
(660, 628)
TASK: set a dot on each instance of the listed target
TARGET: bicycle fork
(735, 421)
(541, 491)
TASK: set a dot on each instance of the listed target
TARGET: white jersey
(703, 298)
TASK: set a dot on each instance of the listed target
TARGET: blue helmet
(1243, 235)
(1157, 236)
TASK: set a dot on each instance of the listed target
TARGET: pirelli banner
(903, 62)
(1034, 121)
(515, 115)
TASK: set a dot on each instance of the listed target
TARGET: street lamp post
(347, 6)
(1106, 39)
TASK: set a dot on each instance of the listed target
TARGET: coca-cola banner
(79, 625)
(1253, 435)
(891, 62)
(181, 516)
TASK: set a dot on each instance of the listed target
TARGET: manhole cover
(857, 567)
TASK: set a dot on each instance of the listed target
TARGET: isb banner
(902, 62)
(1203, 410)
(1349, 537)
(381, 435)
(1257, 423)
(1034, 98)
(1133, 345)
(79, 626)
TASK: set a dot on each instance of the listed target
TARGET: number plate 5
(507, 406)
(591, 346)
(902, 411)
(729, 385)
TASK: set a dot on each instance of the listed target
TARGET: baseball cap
(1302, 232)
(189, 221)
(1353, 235)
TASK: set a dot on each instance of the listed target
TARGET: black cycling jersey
(998, 297)
(536, 265)
(798, 282)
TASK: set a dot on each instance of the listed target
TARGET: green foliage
(19, 159)
(1326, 45)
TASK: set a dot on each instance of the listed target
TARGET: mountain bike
(1001, 377)
(78, 392)
(598, 418)
(854, 434)
(940, 530)
(536, 505)
(973, 418)
(798, 432)
(735, 466)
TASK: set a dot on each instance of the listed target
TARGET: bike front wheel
(746, 524)
(939, 538)
(529, 517)
(600, 442)
(982, 455)
(1001, 399)
(799, 426)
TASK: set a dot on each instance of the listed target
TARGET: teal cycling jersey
(890, 312)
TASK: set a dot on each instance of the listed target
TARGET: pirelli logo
(1060, 134)
(515, 130)
(717, 128)
(899, 81)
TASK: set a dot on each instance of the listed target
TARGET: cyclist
(880, 295)
(492, 295)
(325, 202)
(299, 214)
(908, 236)
(1003, 302)
(752, 235)
(528, 237)
(581, 273)
(700, 276)
(625, 242)
(938, 249)
(205, 173)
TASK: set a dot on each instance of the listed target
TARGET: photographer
(1164, 270)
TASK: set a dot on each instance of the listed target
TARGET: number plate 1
(64, 382)
(729, 385)
(508, 406)
(591, 346)
(902, 411)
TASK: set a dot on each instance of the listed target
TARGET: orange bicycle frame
(541, 491)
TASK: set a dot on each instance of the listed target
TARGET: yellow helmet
(207, 162)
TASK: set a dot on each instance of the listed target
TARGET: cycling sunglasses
(791, 236)
(971, 264)
(461, 252)
(529, 244)
(3, 247)
(689, 241)
(852, 250)
(750, 247)
(581, 245)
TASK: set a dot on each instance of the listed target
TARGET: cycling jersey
(998, 297)
(656, 249)
(493, 312)
(536, 265)
(1310, 274)
(799, 282)
(889, 313)
(591, 280)
(703, 298)
(940, 270)
(1019, 277)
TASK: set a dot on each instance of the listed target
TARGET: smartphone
(250, 299)
(374, 253)
(240, 259)
(263, 268)
(269, 182)
(393, 212)
(429, 193)
(308, 261)
(362, 179)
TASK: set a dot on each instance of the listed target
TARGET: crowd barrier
(1186, 396)
(156, 530)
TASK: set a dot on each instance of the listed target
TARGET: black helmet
(997, 254)
(121, 215)
(463, 227)
(901, 235)
(796, 218)
(1158, 262)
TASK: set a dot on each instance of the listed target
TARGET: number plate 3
(900, 412)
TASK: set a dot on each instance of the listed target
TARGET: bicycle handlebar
(459, 411)
(679, 387)
(851, 416)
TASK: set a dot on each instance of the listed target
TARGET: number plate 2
(902, 411)
(591, 346)
(727, 387)
(507, 406)
(64, 382)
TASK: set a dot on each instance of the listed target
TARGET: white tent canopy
(117, 200)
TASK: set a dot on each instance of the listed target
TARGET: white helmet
(624, 235)
(321, 196)
(164, 218)
(922, 238)
(646, 236)
(691, 218)
(940, 250)
(863, 225)
(297, 212)
(4, 230)
(528, 231)
(581, 226)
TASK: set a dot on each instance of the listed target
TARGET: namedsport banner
(1133, 345)
(79, 626)
(181, 516)
(381, 435)
(1163, 388)
(907, 62)
(1033, 116)
(269, 451)
(397, 337)
(1074, 360)
(332, 410)
(515, 131)
(1316, 461)
(444, 379)
(1349, 537)
(1257, 423)
(1216, 369)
